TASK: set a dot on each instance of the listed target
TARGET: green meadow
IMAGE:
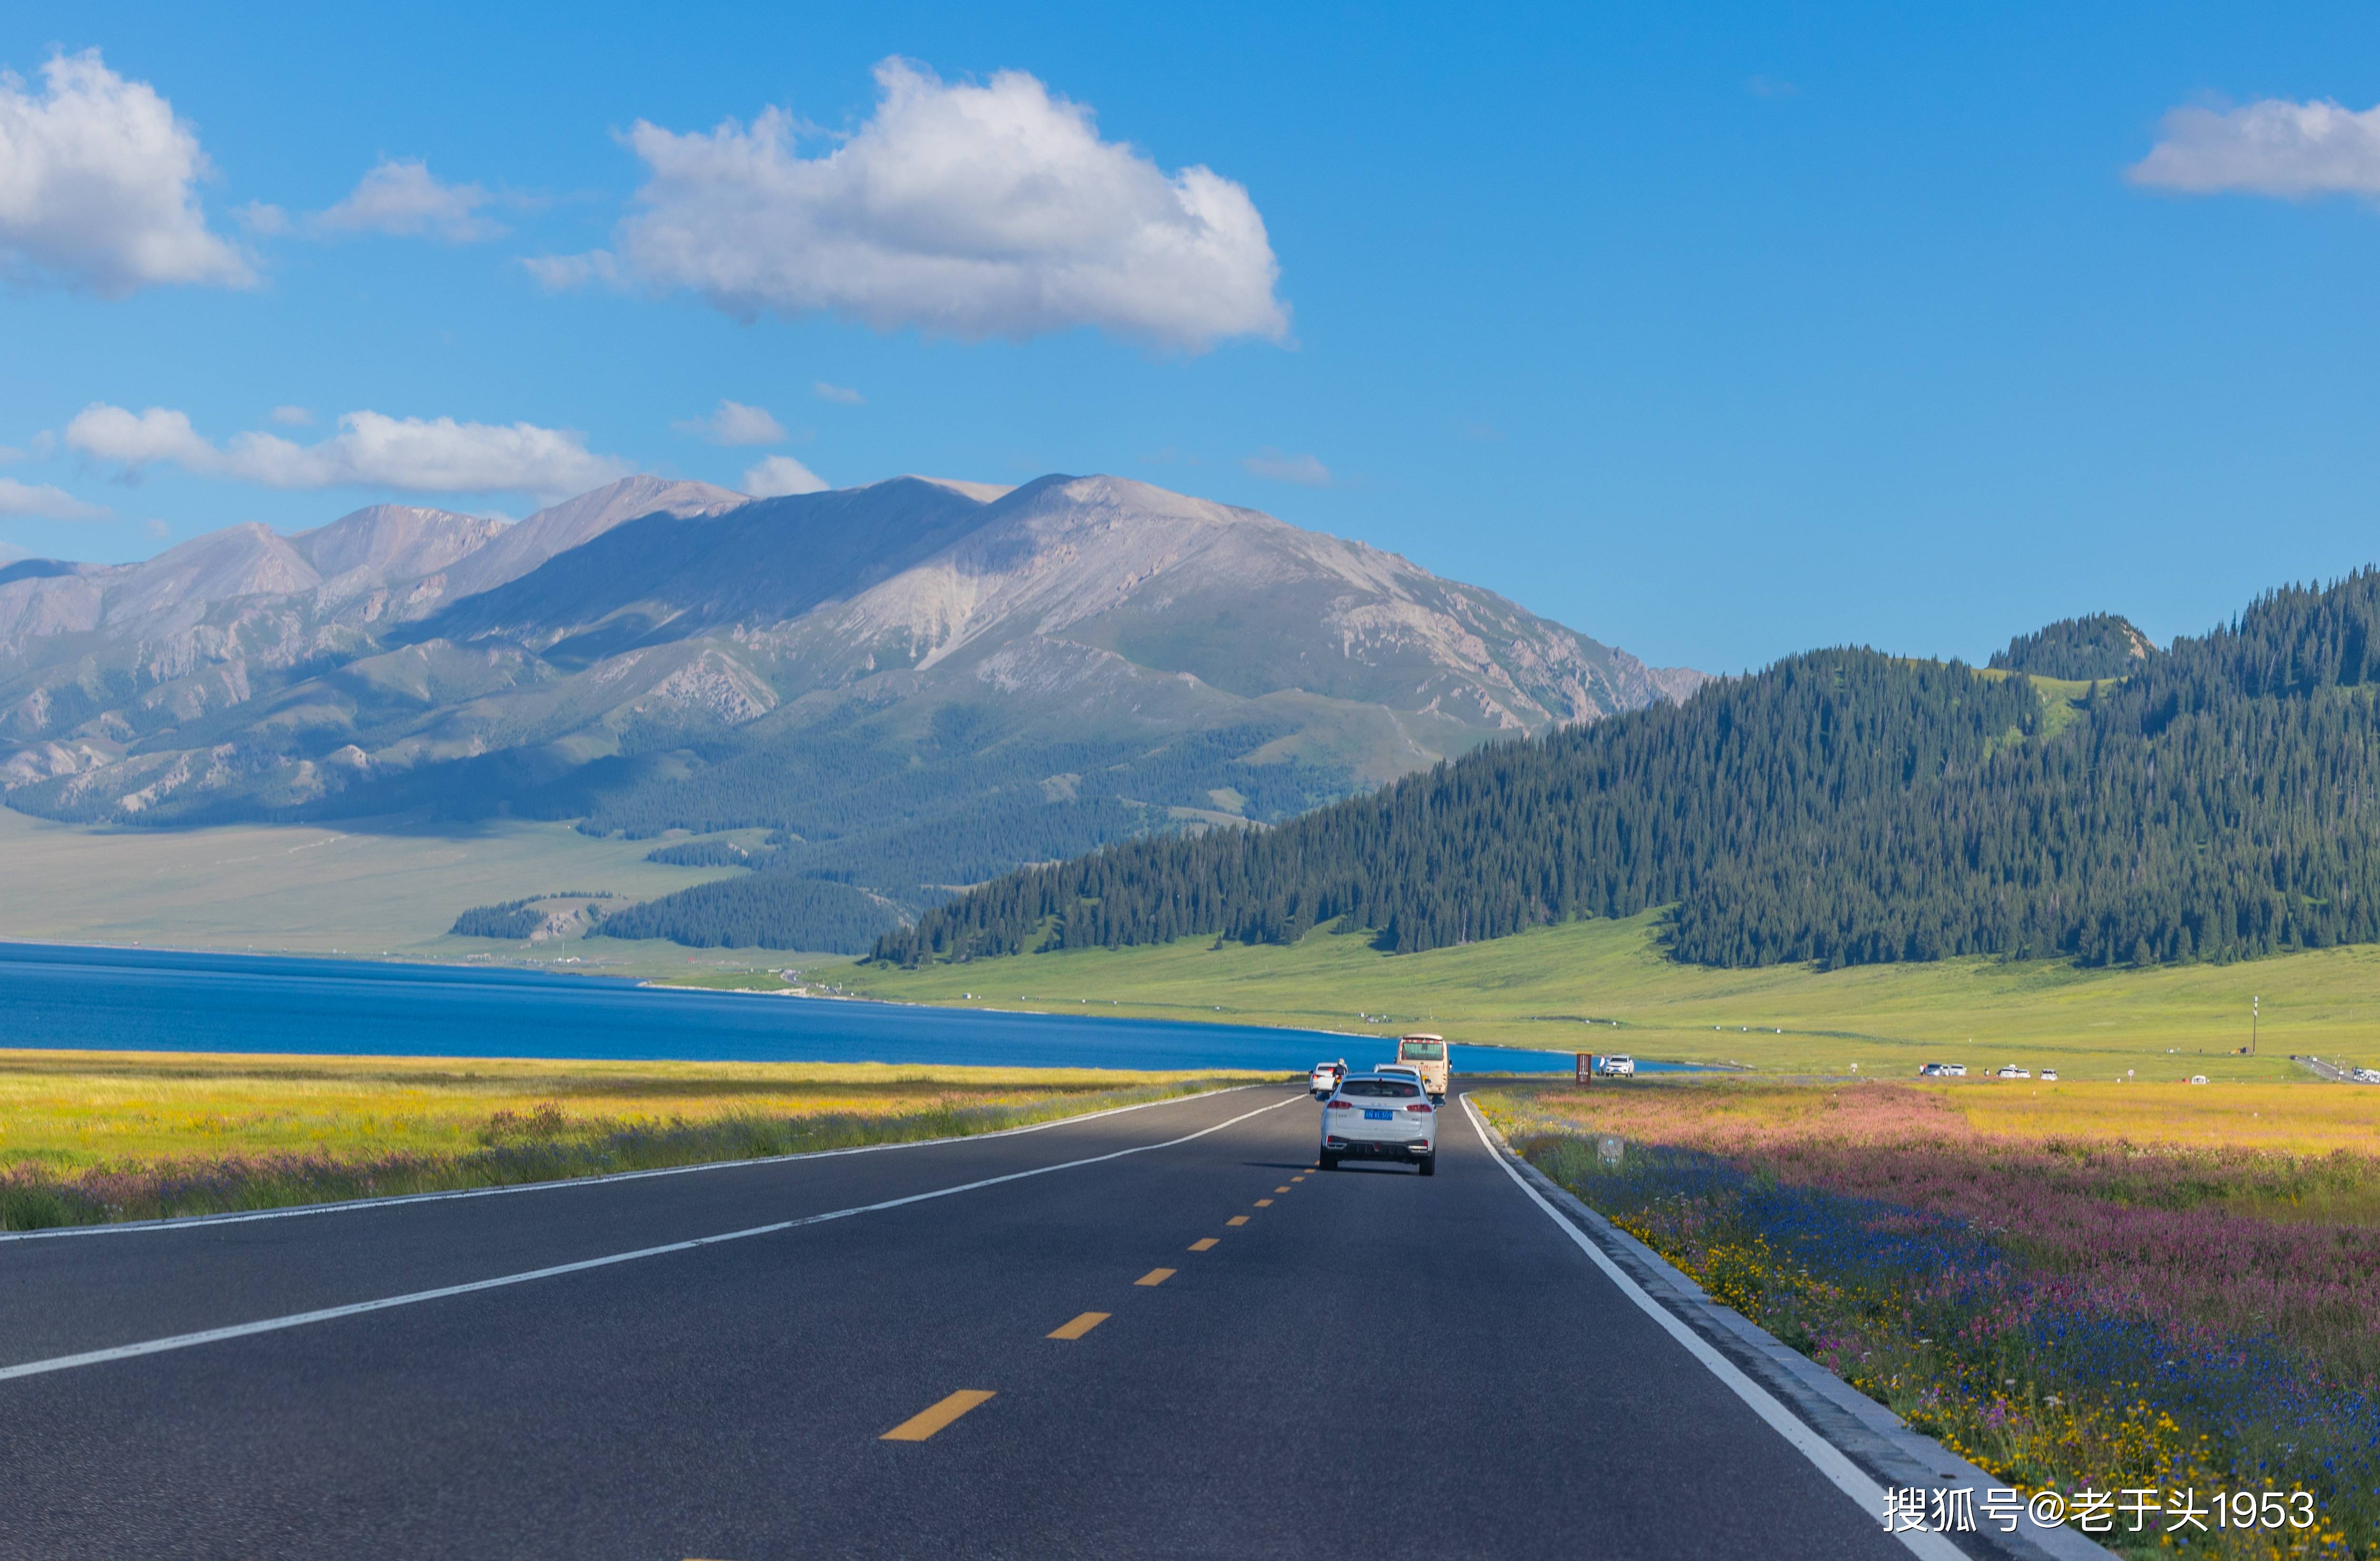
(1605, 985)
(368, 888)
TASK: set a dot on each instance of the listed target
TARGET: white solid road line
(1829, 1459)
(355, 1206)
(299, 1319)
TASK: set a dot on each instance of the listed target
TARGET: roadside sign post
(1586, 1067)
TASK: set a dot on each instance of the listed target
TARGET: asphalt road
(1372, 1363)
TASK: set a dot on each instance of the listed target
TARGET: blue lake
(141, 999)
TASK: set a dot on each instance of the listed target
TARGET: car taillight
(1340, 1105)
(1420, 1109)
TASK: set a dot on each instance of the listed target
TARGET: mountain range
(905, 688)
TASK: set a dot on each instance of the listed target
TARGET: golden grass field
(2281, 1118)
(70, 1110)
(2286, 1117)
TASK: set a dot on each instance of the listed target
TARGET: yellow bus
(1427, 1053)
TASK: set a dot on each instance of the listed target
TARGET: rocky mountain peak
(574, 522)
(393, 542)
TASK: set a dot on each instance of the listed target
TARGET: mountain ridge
(875, 674)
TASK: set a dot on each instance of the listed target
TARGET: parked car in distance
(2050, 1074)
(1379, 1116)
(2011, 1072)
(1427, 1052)
(1934, 1070)
(1618, 1067)
(1324, 1079)
(2366, 1075)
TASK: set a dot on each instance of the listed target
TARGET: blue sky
(1716, 335)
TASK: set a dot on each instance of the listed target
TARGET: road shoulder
(1877, 1442)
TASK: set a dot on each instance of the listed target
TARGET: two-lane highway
(1158, 1332)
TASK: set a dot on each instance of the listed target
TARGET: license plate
(1379, 1116)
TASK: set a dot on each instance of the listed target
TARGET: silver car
(1379, 1117)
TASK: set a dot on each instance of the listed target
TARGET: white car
(2366, 1075)
(1324, 1079)
(1379, 1116)
(1403, 1069)
(2011, 1072)
(2050, 1074)
(1620, 1067)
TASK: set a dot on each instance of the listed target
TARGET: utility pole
(2255, 1004)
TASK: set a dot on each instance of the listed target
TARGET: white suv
(1381, 1117)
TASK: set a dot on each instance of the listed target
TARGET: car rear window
(1380, 1089)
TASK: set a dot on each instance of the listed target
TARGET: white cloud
(777, 476)
(1281, 467)
(98, 185)
(293, 417)
(732, 422)
(417, 454)
(2271, 147)
(964, 210)
(597, 268)
(47, 503)
(10, 452)
(263, 220)
(841, 395)
(111, 433)
(401, 197)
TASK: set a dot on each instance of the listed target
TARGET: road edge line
(1831, 1460)
(399, 1200)
(329, 1314)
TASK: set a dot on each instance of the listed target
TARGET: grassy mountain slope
(1562, 987)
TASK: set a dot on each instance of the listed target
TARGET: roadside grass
(91, 1137)
(2105, 1287)
(1605, 986)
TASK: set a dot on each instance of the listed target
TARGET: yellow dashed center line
(1203, 1243)
(1298, 1178)
(1264, 1202)
(1237, 1219)
(1080, 1325)
(1155, 1277)
(1280, 1188)
(919, 1426)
